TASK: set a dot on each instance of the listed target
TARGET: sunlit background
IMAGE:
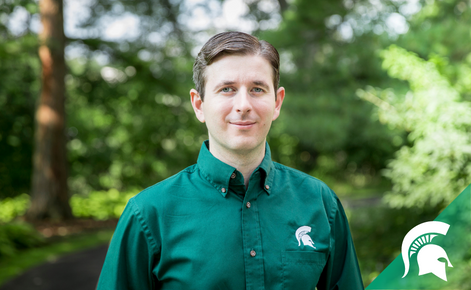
(377, 103)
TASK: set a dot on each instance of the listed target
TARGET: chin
(245, 145)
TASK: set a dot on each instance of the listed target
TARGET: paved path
(77, 271)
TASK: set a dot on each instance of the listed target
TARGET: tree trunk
(49, 193)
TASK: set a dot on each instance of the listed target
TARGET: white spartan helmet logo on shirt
(303, 237)
(418, 240)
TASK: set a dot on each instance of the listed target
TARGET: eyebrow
(262, 84)
(229, 83)
(224, 83)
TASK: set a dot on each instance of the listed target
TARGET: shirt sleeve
(341, 271)
(131, 254)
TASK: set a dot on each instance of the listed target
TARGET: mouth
(242, 124)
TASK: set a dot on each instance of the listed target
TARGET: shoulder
(290, 175)
(306, 185)
(157, 195)
(294, 173)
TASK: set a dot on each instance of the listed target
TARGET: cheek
(265, 112)
(221, 111)
(216, 115)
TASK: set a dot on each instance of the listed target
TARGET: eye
(227, 90)
(258, 90)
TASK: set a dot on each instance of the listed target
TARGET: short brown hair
(228, 43)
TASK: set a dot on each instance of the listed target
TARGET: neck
(244, 161)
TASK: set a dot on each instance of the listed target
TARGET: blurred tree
(327, 51)
(440, 32)
(49, 191)
(436, 166)
(130, 123)
(19, 88)
(130, 120)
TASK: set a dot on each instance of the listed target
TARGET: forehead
(239, 68)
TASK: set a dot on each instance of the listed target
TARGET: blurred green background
(377, 103)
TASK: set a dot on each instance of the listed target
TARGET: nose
(242, 102)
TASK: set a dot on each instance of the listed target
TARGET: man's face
(239, 103)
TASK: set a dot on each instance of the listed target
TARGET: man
(234, 220)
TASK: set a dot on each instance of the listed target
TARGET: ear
(197, 104)
(280, 95)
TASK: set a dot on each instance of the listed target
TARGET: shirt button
(233, 175)
(253, 253)
(267, 186)
(248, 204)
(223, 190)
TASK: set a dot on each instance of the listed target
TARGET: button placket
(252, 243)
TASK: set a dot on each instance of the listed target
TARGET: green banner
(435, 254)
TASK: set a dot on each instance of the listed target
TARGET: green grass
(52, 250)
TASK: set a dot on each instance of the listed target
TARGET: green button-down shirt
(201, 229)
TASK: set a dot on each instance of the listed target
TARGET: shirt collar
(219, 173)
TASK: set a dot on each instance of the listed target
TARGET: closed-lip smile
(242, 123)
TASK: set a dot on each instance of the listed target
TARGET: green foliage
(131, 114)
(100, 205)
(435, 166)
(16, 236)
(129, 119)
(18, 92)
(440, 33)
(13, 207)
(321, 71)
(144, 133)
(19, 87)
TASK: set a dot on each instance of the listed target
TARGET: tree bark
(49, 193)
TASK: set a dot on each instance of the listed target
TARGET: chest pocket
(302, 269)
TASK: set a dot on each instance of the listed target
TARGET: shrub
(100, 205)
(434, 167)
(16, 236)
(13, 207)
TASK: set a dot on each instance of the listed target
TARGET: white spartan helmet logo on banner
(303, 237)
(418, 240)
